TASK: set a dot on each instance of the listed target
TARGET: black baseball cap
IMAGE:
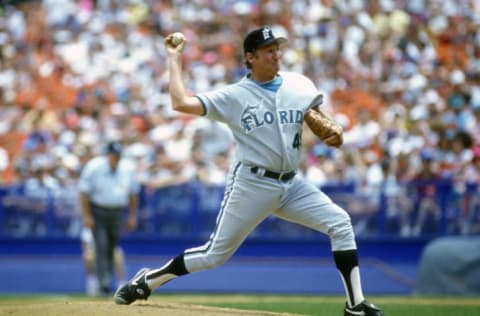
(114, 147)
(259, 38)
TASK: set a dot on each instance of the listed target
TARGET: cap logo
(266, 33)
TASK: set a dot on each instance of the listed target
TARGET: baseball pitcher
(265, 111)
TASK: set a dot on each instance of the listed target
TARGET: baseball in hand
(177, 39)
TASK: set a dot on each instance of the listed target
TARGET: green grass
(392, 306)
(300, 305)
(328, 309)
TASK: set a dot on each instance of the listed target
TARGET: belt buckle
(280, 176)
(260, 172)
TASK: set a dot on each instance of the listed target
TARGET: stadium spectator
(394, 200)
(470, 216)
(86, 70)
(4, 161)
(425, 184)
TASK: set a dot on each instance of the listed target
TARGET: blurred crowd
(402, 77)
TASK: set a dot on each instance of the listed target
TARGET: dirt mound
(104, 308)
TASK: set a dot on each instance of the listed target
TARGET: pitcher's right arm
(181, 101)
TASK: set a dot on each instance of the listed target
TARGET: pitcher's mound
(102, 308)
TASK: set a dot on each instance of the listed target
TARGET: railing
(421, 208)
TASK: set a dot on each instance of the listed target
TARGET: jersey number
(297, 141)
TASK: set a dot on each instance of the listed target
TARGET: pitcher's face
(265, 62)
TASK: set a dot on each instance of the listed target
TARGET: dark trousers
(106, 235)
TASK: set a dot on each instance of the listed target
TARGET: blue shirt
(272, 85)
(107, 187)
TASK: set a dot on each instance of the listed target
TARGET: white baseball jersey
(266, 123)
(257, 116)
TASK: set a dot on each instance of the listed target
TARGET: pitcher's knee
(215, 260)
(341, 234)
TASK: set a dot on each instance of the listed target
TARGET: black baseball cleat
(363, 309)
(135, 289)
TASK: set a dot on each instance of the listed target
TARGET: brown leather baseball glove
(324, 127)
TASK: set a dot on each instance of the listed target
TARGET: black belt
(284, 176)
(107, 208)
